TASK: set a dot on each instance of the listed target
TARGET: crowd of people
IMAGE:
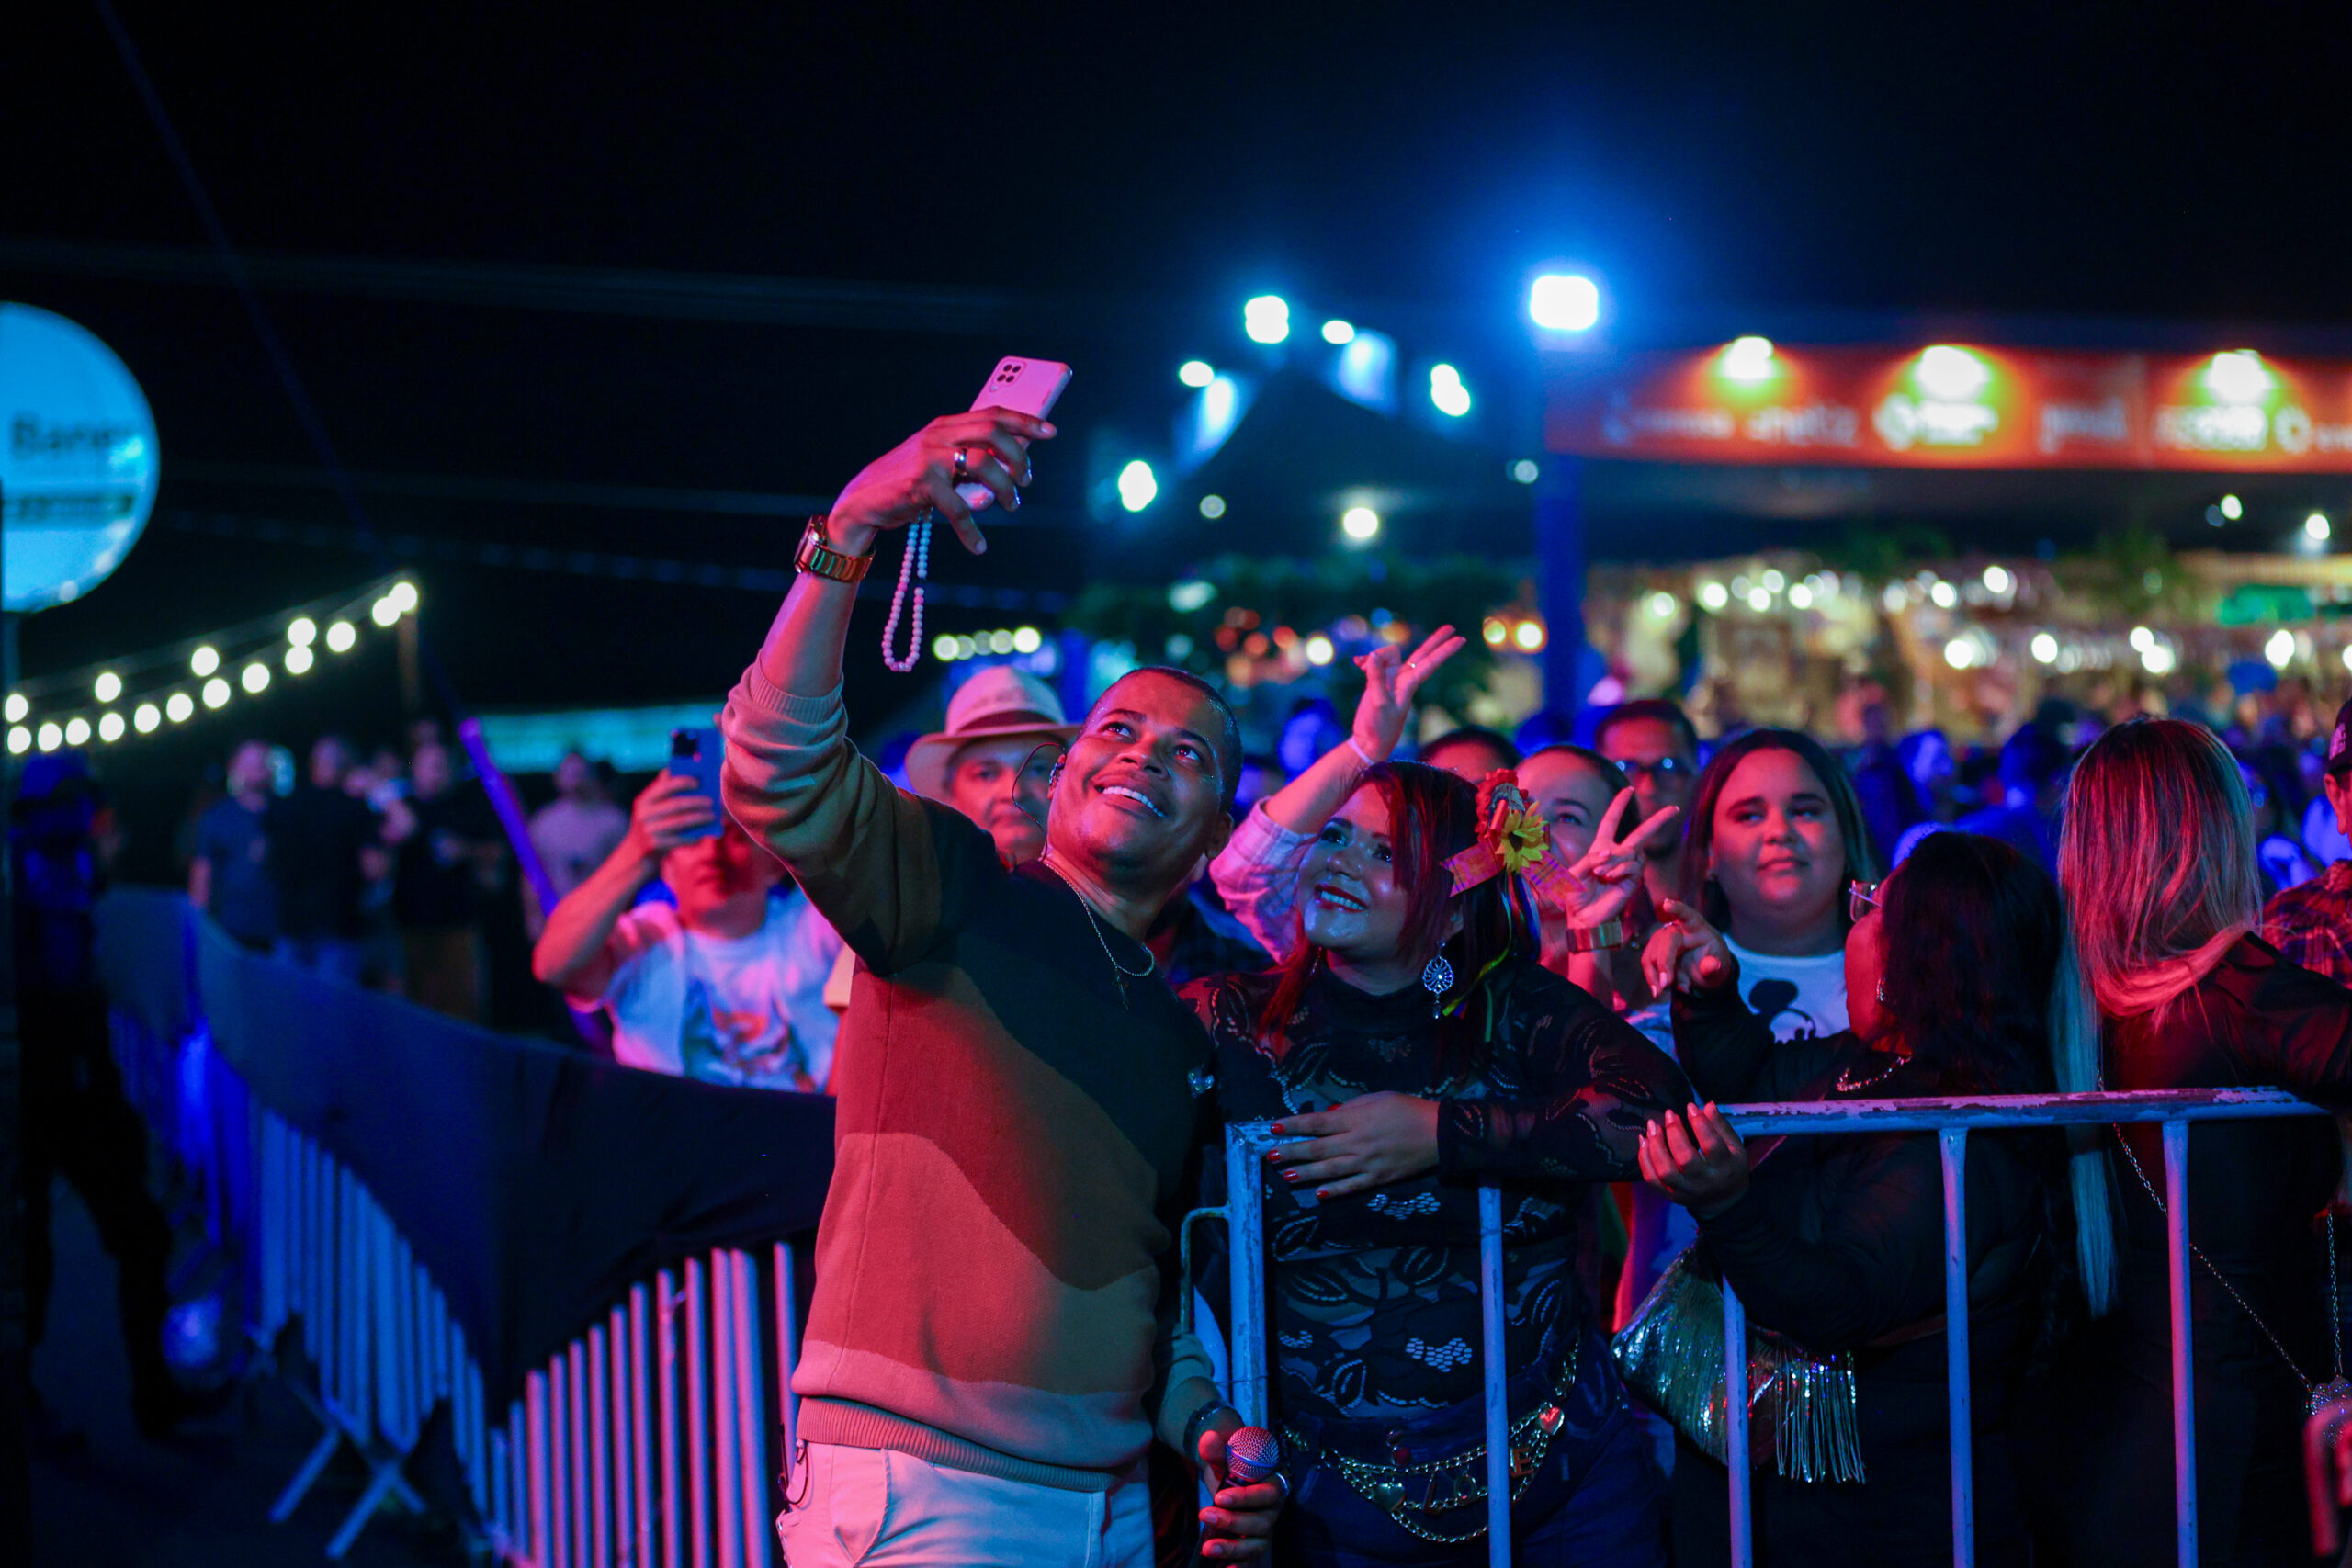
(1045, 959)
(378, 873)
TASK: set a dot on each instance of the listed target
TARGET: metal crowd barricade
(1951, 1119)
(643, 1443)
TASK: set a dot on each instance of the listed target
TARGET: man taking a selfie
(992, 1341)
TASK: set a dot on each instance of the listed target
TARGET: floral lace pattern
(1375, 1295)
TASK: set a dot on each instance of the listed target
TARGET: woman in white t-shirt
(1773, 840)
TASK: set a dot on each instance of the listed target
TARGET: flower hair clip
(1512, 840)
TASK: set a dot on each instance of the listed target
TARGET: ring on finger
(963, 464)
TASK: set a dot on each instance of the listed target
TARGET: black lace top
(1377, 1294)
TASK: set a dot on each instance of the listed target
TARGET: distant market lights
(951, 648)
(2238, 375)
(1952, 374)
(1746, 360)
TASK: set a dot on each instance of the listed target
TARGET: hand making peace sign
(1605, 878)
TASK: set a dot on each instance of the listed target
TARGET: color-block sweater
(1014, 1146)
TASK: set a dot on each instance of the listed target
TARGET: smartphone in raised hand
(698, 754)
(1024, 386)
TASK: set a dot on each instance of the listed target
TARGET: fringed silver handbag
(1802, 1411)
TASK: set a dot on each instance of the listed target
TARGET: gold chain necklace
(1152, 959)
(1847, 1083)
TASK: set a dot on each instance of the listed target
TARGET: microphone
(1252, 1454)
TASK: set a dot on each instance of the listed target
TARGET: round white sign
(77, 459)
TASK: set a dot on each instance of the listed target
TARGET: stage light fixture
(1196, 373)
(1564, 302)
(1266, 318)
(1339, 332)
(1138, 488)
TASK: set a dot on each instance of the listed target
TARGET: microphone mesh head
(1251, 1455)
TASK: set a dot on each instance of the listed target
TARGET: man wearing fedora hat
(1005, 730)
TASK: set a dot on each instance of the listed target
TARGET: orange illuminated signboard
(1959, 406)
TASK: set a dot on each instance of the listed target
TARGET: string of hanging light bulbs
(142, 693)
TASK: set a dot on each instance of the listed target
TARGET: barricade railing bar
(1951, 1119)
(583, 1470)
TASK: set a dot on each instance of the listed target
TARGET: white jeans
(874, 1509)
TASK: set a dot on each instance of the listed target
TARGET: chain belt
(1412, 1494)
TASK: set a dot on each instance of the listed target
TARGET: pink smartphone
(1024, 386)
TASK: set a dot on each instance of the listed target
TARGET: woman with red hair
(1416, 1047)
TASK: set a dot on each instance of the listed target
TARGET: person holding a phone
(993, 1340)
(726, 985)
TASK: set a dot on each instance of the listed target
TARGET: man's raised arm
(858, 848)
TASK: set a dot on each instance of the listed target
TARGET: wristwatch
(1199, 1423)
(818, 557)
(1594, 938)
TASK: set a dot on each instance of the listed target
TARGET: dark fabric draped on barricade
(535, 1183)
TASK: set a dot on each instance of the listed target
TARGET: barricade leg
(698, 1414)
(1742, 1520)
(751, 1425)
(640, 1400)
(1953, 1143)
(723, 1411)
(665, 1299)
(629, 1458)
(1496, 1375)
(2184, 1359)
(1246, 1232)
(600, 1492)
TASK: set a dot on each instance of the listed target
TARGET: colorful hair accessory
(1512, 840)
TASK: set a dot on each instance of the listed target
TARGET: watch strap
(1594, 938)
(818, 557)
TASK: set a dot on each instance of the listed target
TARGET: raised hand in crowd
(667, 813)
(987, 446)
(1391, 676)
(1695, 1158)
(570, 953)
(1686, 954)
(1601, 883)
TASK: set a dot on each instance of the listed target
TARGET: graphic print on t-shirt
(1775, 1001)
(745, 1045)
(1797, 997)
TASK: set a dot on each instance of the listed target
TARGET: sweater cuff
(763, 701)
(1262, 840)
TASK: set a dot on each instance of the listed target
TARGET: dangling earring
(1882, 989)
(1437, 978)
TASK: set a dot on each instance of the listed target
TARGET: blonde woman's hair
(2156, 858)
(2157, 861)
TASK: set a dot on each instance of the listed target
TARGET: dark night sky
(1129, 178)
